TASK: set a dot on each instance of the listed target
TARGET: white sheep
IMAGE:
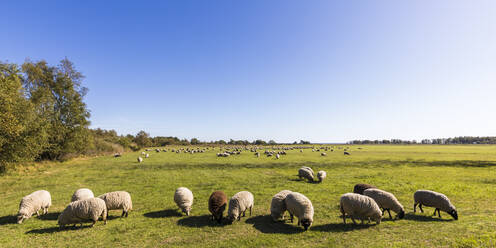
(238, 204)
(386, 201)
(321, 175)
(147, 155)
(359, 206)
(278, 205)
(305, 173)
(82, 210)
(82, 194)
(32, 203)
(323, 154)
(300, 206)
(277, 156)
(140, 159)
(184, 199)
(308, 168)
(118, 200)
(434, 199)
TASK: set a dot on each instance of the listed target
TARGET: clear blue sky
(324, 71)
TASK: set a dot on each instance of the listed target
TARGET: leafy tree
(142, 139)
(21, 133)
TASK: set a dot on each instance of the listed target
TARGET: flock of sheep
(84, 206)
(367, 202)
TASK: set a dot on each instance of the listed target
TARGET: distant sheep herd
(366, 203)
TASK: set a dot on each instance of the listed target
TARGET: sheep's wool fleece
(35, 201)
(82, 194)
(384, 199)
(278, 205)
(299, 205)
(78, 211)
(183, 197)
(117, 200)
(239, 203)
(360, 206)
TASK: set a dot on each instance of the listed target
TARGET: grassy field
(466, 174)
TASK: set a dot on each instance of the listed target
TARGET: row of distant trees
(443, 141)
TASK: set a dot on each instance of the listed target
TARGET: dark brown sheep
(359, 188)
(217, 205)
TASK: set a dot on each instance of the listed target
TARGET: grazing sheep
(306, 174)
(436, 200)
(321, 175)
(346, 153)
(147, 155)
(300, 206)
(143, 153)
(323, 154)
(217, 204)
(140, 159)
(82, 194)
(277, 156)
(308, 168)
(79, 211)
(278, 205)
(32, 203)
(118, 200)
(360, 207)
(117, 155)
(184, 199)
(359, 188)
(238, 205)
(386, 201)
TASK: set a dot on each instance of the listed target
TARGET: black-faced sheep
(300, 206)
(436, 200)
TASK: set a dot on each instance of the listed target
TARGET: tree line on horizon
(437, 141)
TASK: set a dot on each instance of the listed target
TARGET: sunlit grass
(464, 173)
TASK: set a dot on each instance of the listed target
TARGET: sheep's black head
(454, 214)
(401, 214)
(306, 224)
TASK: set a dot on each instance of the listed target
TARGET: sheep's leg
(439, 213)
(244, 213)
(434, 214)
(344, 219)
(291, 217)
(252, 207)
(415, 207)
(389, 214)
(353, 219)
(383, 211)
(420, 206)
(298, 222)
(123, 213)
(127, 213)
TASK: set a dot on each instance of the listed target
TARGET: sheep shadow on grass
(303, 180)
(49, 216)
(340, 227)
(56, 229)
(421, 217)
(8, 219)
(201, 221)
(265, 224)
(163, 213)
